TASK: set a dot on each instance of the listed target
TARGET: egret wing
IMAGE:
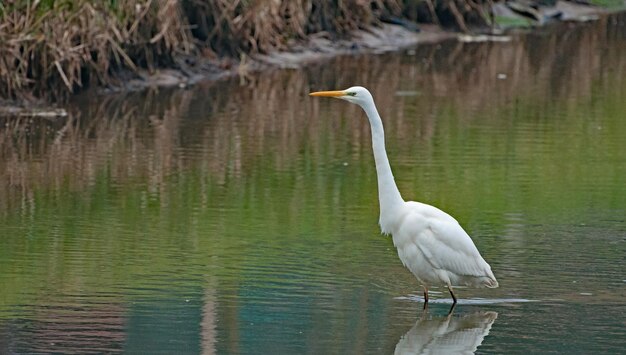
(448, 247)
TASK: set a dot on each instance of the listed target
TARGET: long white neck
(388, 194)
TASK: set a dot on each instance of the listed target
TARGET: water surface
(242, 218)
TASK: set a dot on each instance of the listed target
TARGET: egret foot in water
(453, 300)
(451, 309)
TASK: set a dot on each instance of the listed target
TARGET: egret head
(356, 94)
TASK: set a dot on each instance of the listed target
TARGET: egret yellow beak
(337, 93)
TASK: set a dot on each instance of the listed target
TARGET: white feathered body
(436, 249)
(430, 242)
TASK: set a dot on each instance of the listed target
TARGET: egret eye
(351, 93)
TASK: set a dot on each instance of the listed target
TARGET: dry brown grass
(233, 27)
(52, 48)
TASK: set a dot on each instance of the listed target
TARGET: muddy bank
(384, 37)
(175, 55)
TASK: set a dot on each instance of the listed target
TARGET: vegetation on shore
(53, 48)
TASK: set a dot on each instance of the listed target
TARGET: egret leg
(451, 309)
(425, 297)
(452, 294)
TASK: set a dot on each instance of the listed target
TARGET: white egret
(430, 242)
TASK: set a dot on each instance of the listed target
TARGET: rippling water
(232, 218)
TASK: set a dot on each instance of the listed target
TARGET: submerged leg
(451, 309)
(425, 297)
(452, 294)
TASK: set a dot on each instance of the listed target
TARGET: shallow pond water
(241, 216)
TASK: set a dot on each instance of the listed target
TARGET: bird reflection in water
(446, 334)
